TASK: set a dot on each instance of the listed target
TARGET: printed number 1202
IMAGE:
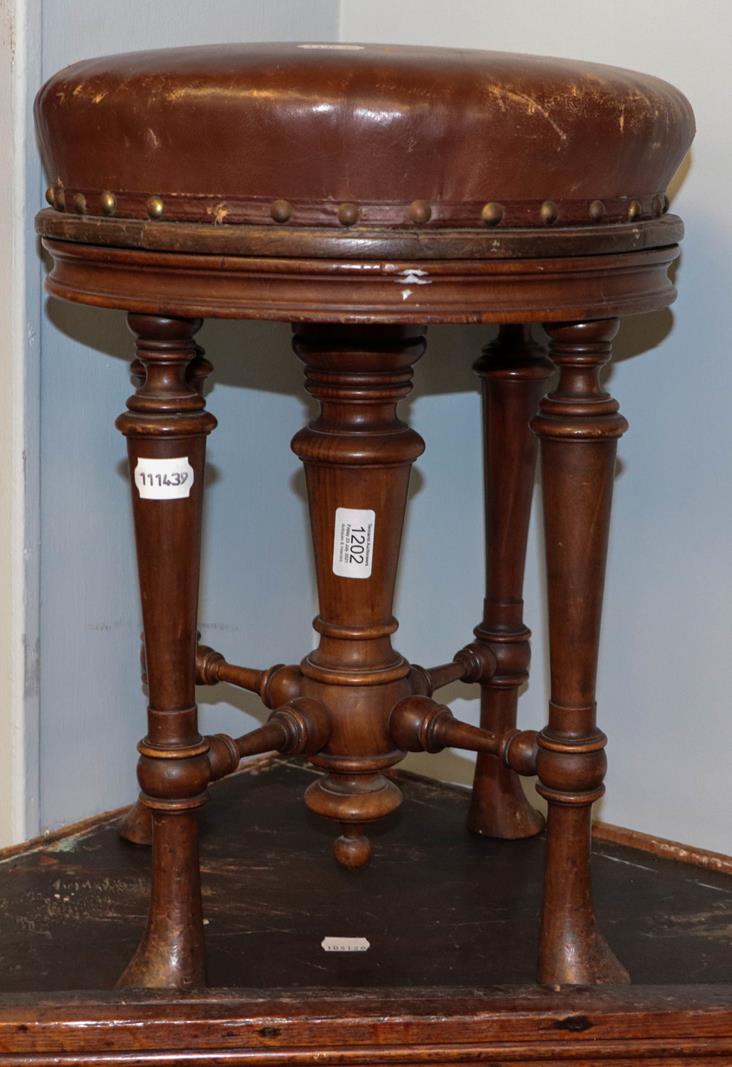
(357, 549)
(353, 542)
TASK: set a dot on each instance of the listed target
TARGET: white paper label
(345, 944)
(164, 479)
(353, 542)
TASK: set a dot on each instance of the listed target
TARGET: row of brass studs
(492, 214)
(419, 212)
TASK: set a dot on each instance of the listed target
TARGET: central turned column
(357, 455)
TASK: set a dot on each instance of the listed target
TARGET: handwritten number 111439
(175, 478)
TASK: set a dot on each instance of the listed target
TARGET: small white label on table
(353, 542)
(345, 944)
(334, 47)
(164, 479)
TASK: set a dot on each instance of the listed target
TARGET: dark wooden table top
(439, 906)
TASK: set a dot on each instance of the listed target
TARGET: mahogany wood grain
(513, 372)
(358, 455)
(687, 1027)
(419, 724)
(578, 425)
(534, 289)
(634, 1028)
(166, 418)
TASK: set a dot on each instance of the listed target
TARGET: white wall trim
(20, 53)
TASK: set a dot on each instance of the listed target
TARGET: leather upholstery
(352, 135)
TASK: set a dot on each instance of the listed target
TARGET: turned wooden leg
(512, 370)
(136, 824)
(166, 427)
(357, 456)
(578, 426)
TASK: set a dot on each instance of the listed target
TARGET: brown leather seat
(360, 135)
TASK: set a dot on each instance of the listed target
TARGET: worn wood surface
(449, 915)
(361, 244)
(439, 905)
(651, 1027)
(661, 846)
(532, 289)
